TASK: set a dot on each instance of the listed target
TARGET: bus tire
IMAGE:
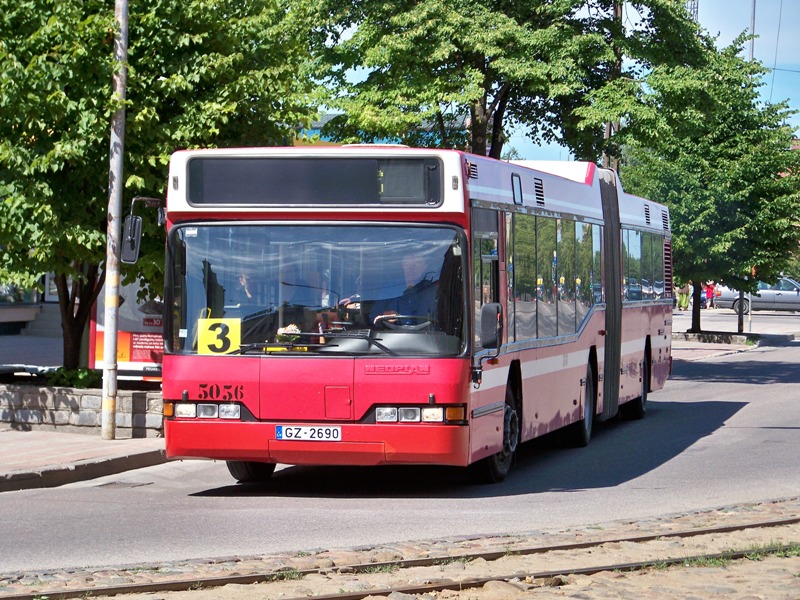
(495, 468)
(250, 471)
(580, 433)
(637, 408)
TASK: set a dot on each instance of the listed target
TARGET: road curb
(726, 337)
(80, 471)
(716, 337)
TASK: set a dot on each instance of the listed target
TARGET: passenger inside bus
(242, 293)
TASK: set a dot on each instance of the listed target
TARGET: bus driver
(419, 299)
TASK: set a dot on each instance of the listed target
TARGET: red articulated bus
(372, 305)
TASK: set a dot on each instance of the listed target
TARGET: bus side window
(489, 272)
(485, 262)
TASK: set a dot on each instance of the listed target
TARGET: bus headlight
(386, 414)
(229, 411)
(451, 414)
(193, 410)
(432, 414)
(408, 414)
(186, 410)
(207, 411)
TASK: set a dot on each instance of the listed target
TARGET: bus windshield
(332, 289)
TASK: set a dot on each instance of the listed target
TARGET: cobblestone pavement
(769, 582)
(94, 580)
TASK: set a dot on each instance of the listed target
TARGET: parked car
(702, 298)
(783, 295)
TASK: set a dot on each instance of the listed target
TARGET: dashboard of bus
(334, 289)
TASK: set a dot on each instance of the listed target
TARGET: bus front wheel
(495, 468)
(250, 472)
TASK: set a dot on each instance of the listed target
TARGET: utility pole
(610, 162)
(692, 7)
(740, 312)
(752, 30)
(114, 224)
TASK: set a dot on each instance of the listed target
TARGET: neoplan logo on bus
(397, 369)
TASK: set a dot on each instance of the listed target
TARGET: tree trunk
(740, 313)
(498, 135)
(445, 139)
(75, 302)
(478, 130)
(696, 289)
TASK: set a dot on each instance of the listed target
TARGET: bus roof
(546, 187)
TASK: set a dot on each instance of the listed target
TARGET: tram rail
(187, 583)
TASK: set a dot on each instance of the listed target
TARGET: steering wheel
(393, 322)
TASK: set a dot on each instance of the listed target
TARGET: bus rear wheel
(250, 471)
(637, 408)
(495, 468)
(580, 433)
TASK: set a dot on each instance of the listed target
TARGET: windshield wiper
(360, 335)
(296, 345)
(276, 346)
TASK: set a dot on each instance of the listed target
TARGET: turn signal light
(455, 413)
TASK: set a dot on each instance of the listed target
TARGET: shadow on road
(756, 372)
(619, 452)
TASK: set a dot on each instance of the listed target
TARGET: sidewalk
(39, 458)
(45, 458)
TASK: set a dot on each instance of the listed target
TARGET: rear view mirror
(491, 336)
(131, 239)
(491, 325)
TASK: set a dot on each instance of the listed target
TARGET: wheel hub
(510, 430)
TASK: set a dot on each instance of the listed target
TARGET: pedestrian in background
(683, 295)
(710, 294)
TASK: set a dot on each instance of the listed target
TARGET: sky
(777, 45)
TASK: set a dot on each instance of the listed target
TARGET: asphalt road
(723, 431)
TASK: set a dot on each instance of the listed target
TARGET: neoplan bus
(373, 305)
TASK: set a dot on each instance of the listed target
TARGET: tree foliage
(201, 73)
(462, 73)
(703, 143)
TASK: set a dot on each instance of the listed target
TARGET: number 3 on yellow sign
(218, 336)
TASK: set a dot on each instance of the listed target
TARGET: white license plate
(308, 434)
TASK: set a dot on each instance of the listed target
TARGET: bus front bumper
(361, 444)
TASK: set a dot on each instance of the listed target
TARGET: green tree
(702, 142)
(461, 73)
(201, 73)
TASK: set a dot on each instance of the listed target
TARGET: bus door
(485, 260)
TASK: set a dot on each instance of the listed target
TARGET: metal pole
(114, 231)
(613, 128)
(752, 269)
(752, 29)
